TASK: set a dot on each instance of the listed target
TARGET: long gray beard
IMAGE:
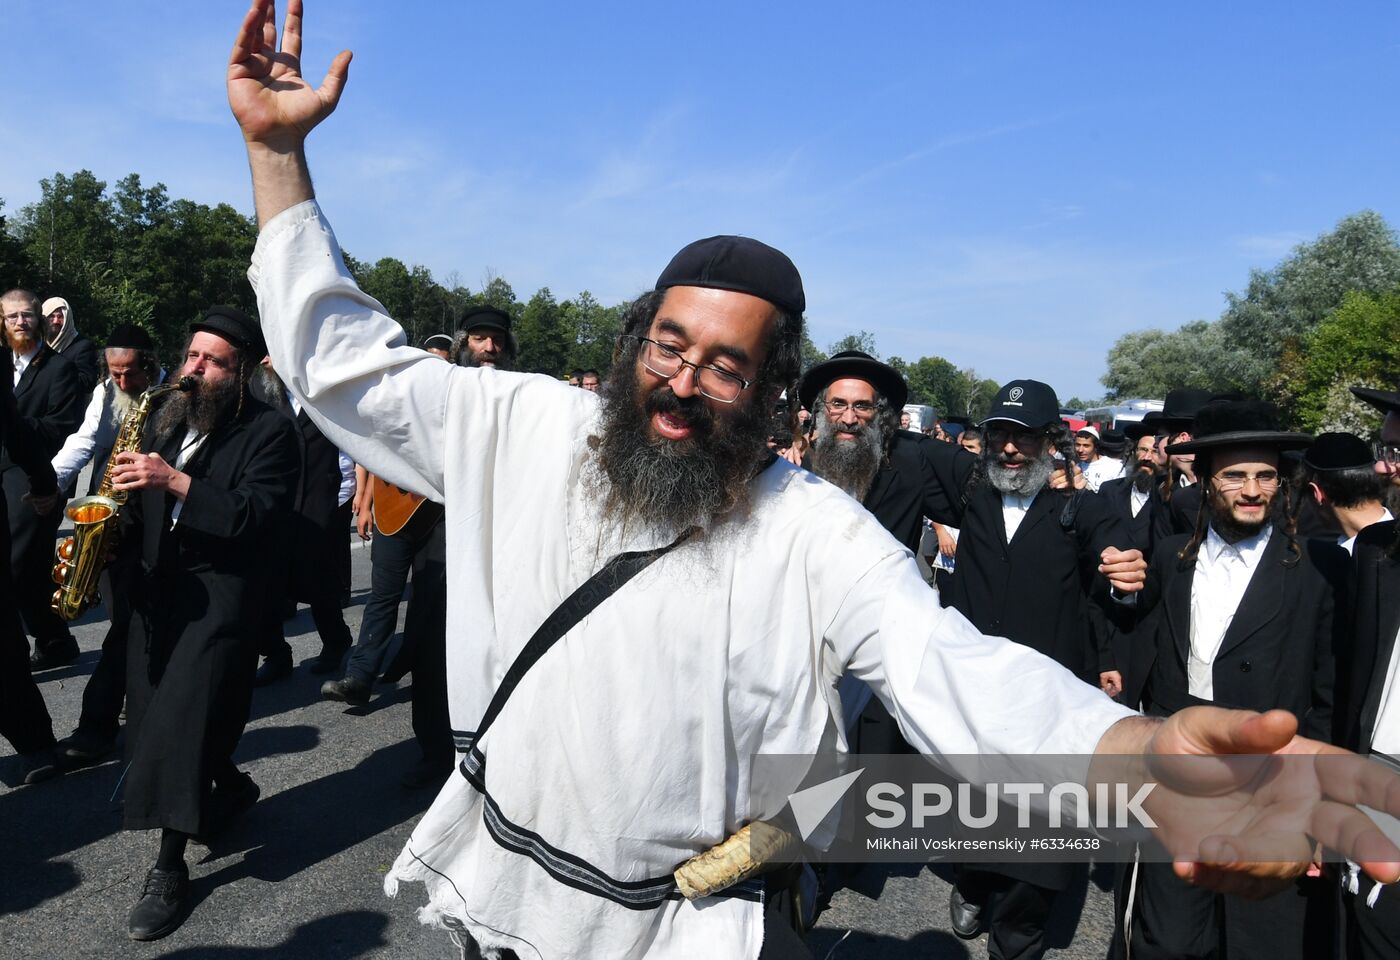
(271, 388)
(122, 405)
(1024, 481)
(849, 464)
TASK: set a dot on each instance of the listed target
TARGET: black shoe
(328, 660)
(347, 689)
(163, 904)
(58, 655)
(39, 765)
(273, 669)
(426, 773)
(227, 804)
(80, 749)
(966, 917)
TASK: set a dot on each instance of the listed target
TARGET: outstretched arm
(275, 107)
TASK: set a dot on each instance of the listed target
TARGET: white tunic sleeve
(372, 395)
(953, 690)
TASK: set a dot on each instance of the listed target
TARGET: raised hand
(273, 103)
(275, 106)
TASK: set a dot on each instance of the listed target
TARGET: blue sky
(1010, 186)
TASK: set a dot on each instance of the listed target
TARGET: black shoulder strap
(566, 616)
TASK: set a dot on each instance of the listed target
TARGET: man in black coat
(311, 534)
(214, 473)
(49, 402)
(61, 333)
(1131, 496)
(1036, 565)
(1241, 616)
(24, 720)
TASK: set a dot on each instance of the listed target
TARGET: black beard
(199, 409)
(1230, 529)
(849, 464)
(1143, 479)
(1024, 481)
(675, 484)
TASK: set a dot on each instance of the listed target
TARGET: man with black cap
(48, 399)
(1242, 615)
(620, 719)
(215, 470)
(132, 368)
(1035, 565)
(484, 339)
(1339, 474)
(439, 345)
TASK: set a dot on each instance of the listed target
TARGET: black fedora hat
(478, 318)
(1386, 401)
(1181, 406)
(1239, 423)
(1147, 426)
(856, 365)
(1338, 451)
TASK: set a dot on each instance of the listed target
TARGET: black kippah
(739, 264)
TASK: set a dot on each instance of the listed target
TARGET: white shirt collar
(1249, 550)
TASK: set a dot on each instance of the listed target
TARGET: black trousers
(310, 575)
(24, 719)
(425, 628)
(31, 561)
(1018, 913)
(106, 688)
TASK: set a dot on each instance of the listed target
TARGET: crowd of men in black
(1274, 583)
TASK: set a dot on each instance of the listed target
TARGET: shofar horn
(750, 851)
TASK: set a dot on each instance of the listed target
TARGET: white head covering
(69, 333)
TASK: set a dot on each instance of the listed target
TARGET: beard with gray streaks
(122, 405)
(674, 484)
(1025, 480)
(850, 464)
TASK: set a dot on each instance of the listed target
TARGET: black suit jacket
(318, 485)
(20, 445)
(83, 354)
(1372, 622)
(48, 403)
(920, 478)
(1118, 494)
(1037, 589)
(1278, 650)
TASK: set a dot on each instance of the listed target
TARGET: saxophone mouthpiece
(185, 383)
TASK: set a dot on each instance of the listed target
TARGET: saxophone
(81, 557)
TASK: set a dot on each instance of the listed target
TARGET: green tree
(1358, 344)
(864, 341)
(595, 328)
(1148, 363)
(544, 335)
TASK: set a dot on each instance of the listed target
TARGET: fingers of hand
(1356, 836)
(1254, 881)
(291, 29)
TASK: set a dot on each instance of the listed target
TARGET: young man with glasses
(1240, 615)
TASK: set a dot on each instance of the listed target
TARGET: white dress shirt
(188, 446)
(1223, 572)
(1137, 499)
(1013, 511)
(1349, 543)
(22, 362)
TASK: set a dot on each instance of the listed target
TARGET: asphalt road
(301, 875)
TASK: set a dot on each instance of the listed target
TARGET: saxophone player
(214, 468)
(132, 367)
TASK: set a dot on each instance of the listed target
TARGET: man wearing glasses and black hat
(1241, 616)
(214, 472)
